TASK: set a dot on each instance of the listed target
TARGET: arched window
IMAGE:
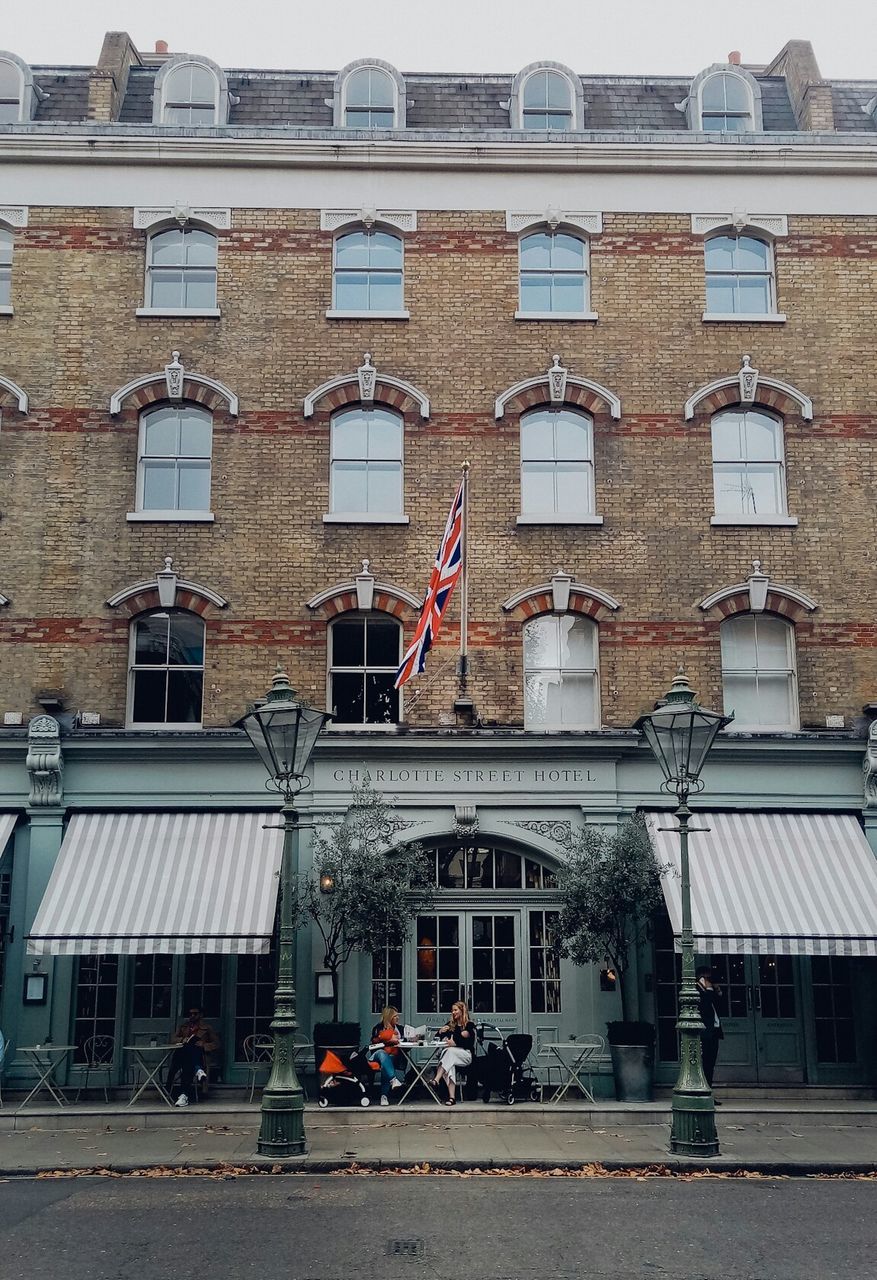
(748, 463)
(166, 672)
(557, 463)
(726, 103)
(554, 274)
(370, 99)
(5, 267)
(173, 468)
(561, 683)
(366, 461)
(739, 275)
(190, 95)
(365, 650)
(368, 271)
(758, 672)
(181, 270)
(12, 91)
(547, 101)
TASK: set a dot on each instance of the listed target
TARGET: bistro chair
(258, 1055)
(301, 1048)
(5, 1052)
(98, 1060)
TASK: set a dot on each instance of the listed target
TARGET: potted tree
(611, 885)
(362, 895)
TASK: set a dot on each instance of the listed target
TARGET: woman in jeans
(460, 1035)
(385, 1039)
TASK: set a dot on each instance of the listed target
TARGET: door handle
(749, 999)
(756, 990)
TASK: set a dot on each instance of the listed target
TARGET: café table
(409, 1049)
(46, 1059)
(572, 1057)
(152, 1070)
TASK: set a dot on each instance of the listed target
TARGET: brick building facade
(661, 206)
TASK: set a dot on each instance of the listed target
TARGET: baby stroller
(505, 1068)
(350, 1084)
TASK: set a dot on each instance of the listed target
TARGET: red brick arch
(582, 599)
(193, 391)
(343, 599)
(348, 393)
(766, 398)
(147, 600)
(578, 397)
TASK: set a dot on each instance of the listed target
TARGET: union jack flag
(445, 573)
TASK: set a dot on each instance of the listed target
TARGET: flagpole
(464, 584)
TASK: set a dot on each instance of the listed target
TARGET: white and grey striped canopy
(7, 822)
(134, 883)
(773, 883)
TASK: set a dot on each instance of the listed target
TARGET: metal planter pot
(633, 1066)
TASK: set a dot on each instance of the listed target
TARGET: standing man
(712, 1024)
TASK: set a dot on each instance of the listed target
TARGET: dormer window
(18, 95)
(724, 98)
(190, 91)
(369, 94)
(547, 101)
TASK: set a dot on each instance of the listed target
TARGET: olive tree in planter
(364, 891)
(610, 886)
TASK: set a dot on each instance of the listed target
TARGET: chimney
(108, 81)
(161, 46)
(734, 58)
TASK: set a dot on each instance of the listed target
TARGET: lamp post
(680, 734)
(284, 732)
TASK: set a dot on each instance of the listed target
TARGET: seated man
(197, 1039)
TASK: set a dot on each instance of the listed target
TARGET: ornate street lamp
(284, 732)
(680, 733)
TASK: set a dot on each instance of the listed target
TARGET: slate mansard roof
(445, 103)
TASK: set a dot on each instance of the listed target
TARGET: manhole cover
(406, 1248)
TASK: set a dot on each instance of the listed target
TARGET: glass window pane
(149, 697)
(542, 698)
(762, 437)
(755, 296)
(578, 704)
(159, 486)
(161, 433)
(384, 251)
(349, 486)
(381, 698)
(166, 248)
(186, 645)
(772, 638)
(351, 250)
(738, 643)
(567, 253)
(350, 434)
(721, 295)
(151, 639)
(203, 85)
(380, 88)
(184, 693)
(537, 436)
(558, 91)
(384, 483)
(736, 93)
(348, 698)
(728, 437)
(384, 435)
(382, 643)
(194, 486)
(542, 643)
(536, 252)
(537, 488)
(348, 643)
(509, 872)
(5, 246)
(385, 292)
(5, 286)
(199, 248)
(573, 488)
(572, 435)
(351, 292)
(535, 293)
(730, 490)
(763, 491)
(719, 253)
(577, 642)
(199, 289)
(10, 80)
(569, 294)
(752, 254)
(166, 289)
(536, 90)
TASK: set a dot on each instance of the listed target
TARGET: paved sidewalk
(464, 1138)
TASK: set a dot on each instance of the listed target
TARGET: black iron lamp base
(282, 1131)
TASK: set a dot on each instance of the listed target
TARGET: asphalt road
(341, 1228)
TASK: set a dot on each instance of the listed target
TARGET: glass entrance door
(164, 988)
(760, 1008)
(473, 956)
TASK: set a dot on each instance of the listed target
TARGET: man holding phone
(712, 1033)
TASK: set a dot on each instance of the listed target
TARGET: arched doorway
(489, 939)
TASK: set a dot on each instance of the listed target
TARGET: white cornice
(339, 153)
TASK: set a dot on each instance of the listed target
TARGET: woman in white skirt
(460, 1035)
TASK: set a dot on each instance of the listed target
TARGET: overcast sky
(658, 37)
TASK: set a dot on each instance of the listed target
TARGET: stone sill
(556, 315)
(6, 310)
(165, 517)
(364, 517)
(367, 315)
(743, 317)
(776, 521)
(558, 519)
(181, 313)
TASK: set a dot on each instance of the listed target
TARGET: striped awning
(135, 883)
(773, 883)
(7, 823)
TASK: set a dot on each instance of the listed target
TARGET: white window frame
(749, 114)
(570, 111)
(791, 672)
(553, 231)
(28, 93)
(692, 105)
(359, 313)
(130, 722)
(347, 726)
(548, 726)
(365, 517)
(143, 514)
(588, 512)
(771, 518)
(338, 101)
(7, 236)
(222, 97)
(515, 103)
(182, 312)
(745, 317)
